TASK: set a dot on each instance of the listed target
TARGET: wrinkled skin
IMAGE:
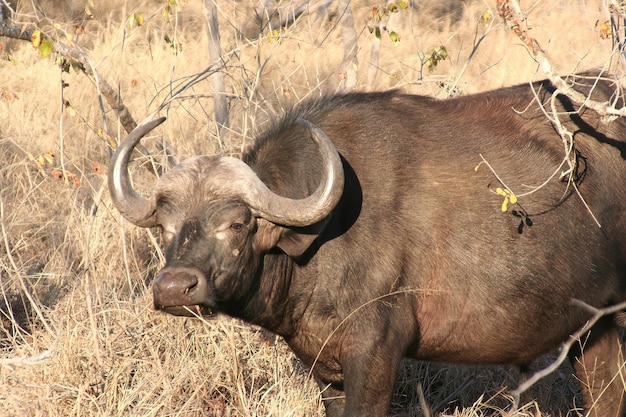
(416, 258)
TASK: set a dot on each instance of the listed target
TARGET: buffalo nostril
(179, 287)
(178, 283)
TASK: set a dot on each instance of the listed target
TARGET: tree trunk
(215, 61)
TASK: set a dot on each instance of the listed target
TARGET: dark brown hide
(417, 258)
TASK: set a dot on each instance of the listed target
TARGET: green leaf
(486, 17)
(35, 38)
(274, 36)
(440, 52)
(136, 19)
(45, 49)
(395, 38)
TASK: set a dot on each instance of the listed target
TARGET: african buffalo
(363, 228)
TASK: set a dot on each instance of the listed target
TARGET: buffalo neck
(266, 302)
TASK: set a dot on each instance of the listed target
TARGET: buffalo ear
(295, 244)
(293, 241)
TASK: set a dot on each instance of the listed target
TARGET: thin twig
(598, 313)
(472, 53)
(569, 148)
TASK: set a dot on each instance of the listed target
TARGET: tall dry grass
(78, 336)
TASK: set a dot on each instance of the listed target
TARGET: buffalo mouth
(197, 310)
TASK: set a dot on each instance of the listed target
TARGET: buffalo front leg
(365, 392)
(369, 377)
(369, 380)
(600, 368)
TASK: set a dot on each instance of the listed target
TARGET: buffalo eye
(237, 227)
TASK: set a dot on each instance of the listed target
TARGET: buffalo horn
(132, 205)
(312, 209)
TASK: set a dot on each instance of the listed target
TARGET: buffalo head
(218, 218)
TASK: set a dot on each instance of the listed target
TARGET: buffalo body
(403, 247)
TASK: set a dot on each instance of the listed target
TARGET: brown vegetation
(78, 334)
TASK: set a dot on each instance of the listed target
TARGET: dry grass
(75, 278)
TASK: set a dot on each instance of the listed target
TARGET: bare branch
(15, 31)
(569, 158)
(477, 42)
(6, 10)
(74, 52)
(570, 154)
(108, 92)
(512, 14)
(598, 313)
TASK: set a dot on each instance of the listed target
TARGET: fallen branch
(27, 360)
